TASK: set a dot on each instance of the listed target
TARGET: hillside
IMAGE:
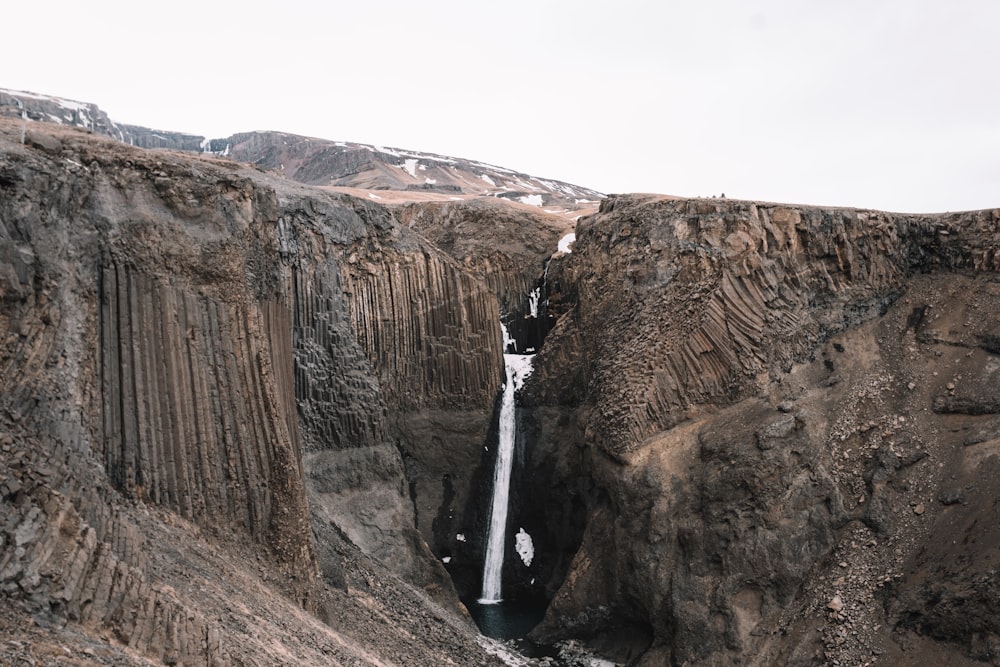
(378, 172)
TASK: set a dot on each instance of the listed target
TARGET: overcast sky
(892, 105)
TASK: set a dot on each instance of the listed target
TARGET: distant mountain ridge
(323, 162)
(342, 164)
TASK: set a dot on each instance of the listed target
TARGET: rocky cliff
(776, 407)
(192, 418)
(88, 116)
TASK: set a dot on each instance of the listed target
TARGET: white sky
(883, 104)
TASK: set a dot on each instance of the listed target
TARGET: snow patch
(410, 166)
(430, 181)
(446, 559)
(395, 152)
(527, 186)
(567, 241)
(61, 101)
(460, 537)
(488, 179)
(531, 200)
(521, 365)
(525, 547)
(372, 195)
(550, 185)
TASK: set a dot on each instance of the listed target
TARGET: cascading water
(517, 368)
(513, 618)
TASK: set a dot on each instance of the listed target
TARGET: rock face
(86, 115)
(768, 423)
(181, 369)
(507, 248)
(391, 334)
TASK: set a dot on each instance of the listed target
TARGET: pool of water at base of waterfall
(511, 621)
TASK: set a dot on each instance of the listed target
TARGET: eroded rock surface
(165, 494)
(776, 407)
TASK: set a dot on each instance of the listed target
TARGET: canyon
(250, 391)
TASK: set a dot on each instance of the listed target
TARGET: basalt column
(429, 330)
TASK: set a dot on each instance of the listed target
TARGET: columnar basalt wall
(430, 329)
(353, 467)
(507, 247)
(92, 571)
(432, 334)
(722, 296)
(160, 315)
(738, 362)
(191, 413)
(123, 381)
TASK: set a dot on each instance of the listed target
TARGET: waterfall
(517, 368)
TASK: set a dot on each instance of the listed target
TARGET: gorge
(251, 415)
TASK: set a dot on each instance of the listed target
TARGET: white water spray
(518, 368)
(533, 298)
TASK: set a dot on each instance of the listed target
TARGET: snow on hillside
(323, 162)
